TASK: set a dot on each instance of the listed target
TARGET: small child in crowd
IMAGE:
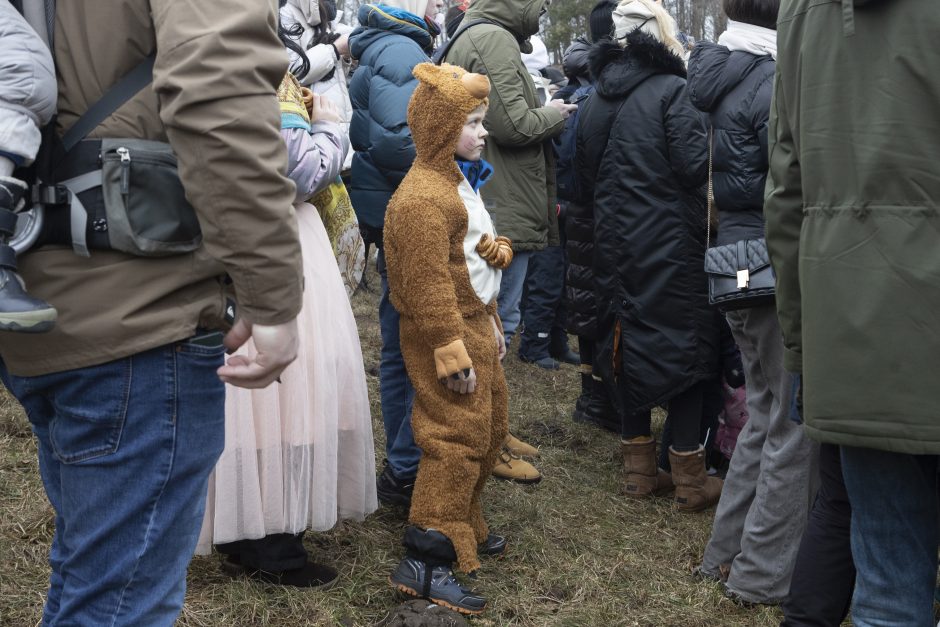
(27, 103)
(444, 268)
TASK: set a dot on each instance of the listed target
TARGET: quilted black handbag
(739, 275)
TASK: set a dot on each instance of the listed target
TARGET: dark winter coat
(521, 194)
(852, 218)
(734, 88)
(581, 309)
(642, 158)
(388, 44)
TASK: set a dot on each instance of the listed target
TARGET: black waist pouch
(120, 194)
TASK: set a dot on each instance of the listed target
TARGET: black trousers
(543, 303)
(685, 416)
(824, 574)
(273, 554)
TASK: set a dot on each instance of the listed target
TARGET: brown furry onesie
(445, 327)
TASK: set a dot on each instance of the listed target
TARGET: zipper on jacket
(125, 156)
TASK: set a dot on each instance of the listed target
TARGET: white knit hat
(632, 14)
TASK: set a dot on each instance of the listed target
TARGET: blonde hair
(665, 29)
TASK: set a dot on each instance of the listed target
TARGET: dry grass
(580, 555)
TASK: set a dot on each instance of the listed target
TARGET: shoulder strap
(710, 193)
(125, 89)
(40, 14)
(441, 53)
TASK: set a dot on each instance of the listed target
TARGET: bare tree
(699, 19)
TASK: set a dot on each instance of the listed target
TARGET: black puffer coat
(734, 88)
(642, 158)
(581, 309)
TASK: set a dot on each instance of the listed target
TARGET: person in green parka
(852, 226)
(521, 194)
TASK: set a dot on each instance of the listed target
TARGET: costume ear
(426, 73)
(477, 85)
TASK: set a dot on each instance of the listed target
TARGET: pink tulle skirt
(299, 454)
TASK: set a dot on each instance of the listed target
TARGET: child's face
(471, 142)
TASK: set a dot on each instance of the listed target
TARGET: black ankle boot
(600, 409)
(18, 310)
(393, 491)
(425, 572)
(583, 399)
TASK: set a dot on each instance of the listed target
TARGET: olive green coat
(852, 221)
(521, 194)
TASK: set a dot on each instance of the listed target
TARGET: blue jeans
(894, 536)
(510, 293)
(125, 452)
(395, 389)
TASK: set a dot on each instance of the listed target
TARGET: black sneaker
(436, 584)
(311, 575)
(493, 546)
(392, 491)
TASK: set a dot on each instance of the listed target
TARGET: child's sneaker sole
(39, 321)
(414, 593)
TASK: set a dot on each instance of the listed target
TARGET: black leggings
(824, 573)
(685, 415)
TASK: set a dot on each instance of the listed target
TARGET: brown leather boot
(641, 476)
(695, 490)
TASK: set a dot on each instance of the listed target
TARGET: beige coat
(218, 65)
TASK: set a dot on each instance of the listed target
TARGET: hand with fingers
(463, 382)
(500, 339)
(562, 107)
(276, 348)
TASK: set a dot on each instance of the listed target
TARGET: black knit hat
(601, 21)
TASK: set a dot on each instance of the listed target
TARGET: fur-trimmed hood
(618, 69)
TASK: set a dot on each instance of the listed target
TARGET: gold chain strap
(710, 194)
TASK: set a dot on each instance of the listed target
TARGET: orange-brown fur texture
(444, 325)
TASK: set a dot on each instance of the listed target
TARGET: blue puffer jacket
(388, 44)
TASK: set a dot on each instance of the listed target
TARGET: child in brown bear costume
(444, 267)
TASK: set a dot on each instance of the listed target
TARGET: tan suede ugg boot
(641, 476)
(519, 448)
(695, 490)
(511, 468)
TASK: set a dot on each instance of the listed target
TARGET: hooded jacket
(327, 75)
(642, 161)
(852, 218)
(521, 194)
(221, 117)
(388, 43)
(734, 88)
